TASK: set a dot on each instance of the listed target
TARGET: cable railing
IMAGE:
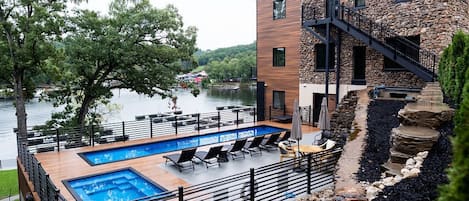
(279, 181)
(151, 126)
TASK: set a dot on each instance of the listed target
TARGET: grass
(8, 183)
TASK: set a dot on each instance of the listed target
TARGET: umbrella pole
(299, 168)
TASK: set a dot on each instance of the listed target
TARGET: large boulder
(425, 114)
(406, 141)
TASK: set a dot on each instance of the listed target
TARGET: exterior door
(359, 65)
(317, 99)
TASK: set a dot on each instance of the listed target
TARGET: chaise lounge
(185, 157)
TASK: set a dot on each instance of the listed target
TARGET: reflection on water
(131, 104)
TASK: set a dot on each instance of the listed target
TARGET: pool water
(142, 150)
(125, 184)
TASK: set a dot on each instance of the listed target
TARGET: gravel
(382, 117)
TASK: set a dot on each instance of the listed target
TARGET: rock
(412, 173)
(397, 179)
(410, 161)
(418, 159)
(405, 171)
(431, 115)
(381, 186)
(423, 154)
(388, 181)
(371, 192)
(407, 141)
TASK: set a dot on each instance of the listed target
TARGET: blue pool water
(142, 150)
(125, 184)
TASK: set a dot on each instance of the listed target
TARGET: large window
(279, 9)
(359, 3)
(279, 57)
(278, 101)
(321, 56)
(403, 46)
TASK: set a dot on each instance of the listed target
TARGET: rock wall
(342, 118)
(434, 20)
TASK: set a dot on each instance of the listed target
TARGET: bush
(455, 63)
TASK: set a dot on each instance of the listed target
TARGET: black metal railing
(150, 126)
(378, 31)
(43, 185)
(280, 114)
(278, 181)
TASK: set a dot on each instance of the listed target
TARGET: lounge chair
(269, 143)
(253, 146)
(236, 148)
(210, 157)
(329, 144)
(185, 157)
(285, 151)
(284, 137)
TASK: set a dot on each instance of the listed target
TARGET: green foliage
(236, 62)
(8, 183)
(455, 82)
(136, 47)
(453, 65)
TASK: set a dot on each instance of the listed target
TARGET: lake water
(130, 104)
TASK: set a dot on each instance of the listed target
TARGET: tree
(136, 47)
(28, 29)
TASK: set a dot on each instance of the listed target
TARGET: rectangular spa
(147, 149)
(124, 184)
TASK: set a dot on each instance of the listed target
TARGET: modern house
(351, 44)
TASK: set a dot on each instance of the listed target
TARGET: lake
(129, 104)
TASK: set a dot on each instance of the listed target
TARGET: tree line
(134, 46)
(232, 63)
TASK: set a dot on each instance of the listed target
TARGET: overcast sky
(220, 23)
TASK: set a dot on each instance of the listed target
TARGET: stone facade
(342, 118)
(434, 20)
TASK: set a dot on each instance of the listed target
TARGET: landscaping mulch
(382, 118)
(425, 186)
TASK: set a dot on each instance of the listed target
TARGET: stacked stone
(343, 116)
(419, 121)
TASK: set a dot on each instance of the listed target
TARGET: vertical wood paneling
(279, 33)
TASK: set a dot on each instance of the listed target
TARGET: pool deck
(67, 164)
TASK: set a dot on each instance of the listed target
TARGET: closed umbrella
(324, 121)
(296, 133)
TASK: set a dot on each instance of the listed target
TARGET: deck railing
(148, 126)
(278, 181)
(43, 185)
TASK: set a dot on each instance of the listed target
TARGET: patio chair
(210, 157)
(326, 153)
(285, 151)
(185, 157)
(236, 148)
(269, 143)
(329, 144)
(253, 146)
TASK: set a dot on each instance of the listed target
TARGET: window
(279, 57)
(321, 56)
(278, 99)
(279, 9)
(403, 46)
(359, 3)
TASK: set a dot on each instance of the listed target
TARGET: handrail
(425, 58)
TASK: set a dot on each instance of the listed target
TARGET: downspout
(337, 69)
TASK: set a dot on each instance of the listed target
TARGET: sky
(220, 23)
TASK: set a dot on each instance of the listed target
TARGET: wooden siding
(279, 33)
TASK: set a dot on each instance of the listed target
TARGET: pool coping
(82, 154)
(77, 197)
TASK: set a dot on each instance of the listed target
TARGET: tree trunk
(82, 115)
(20, 107)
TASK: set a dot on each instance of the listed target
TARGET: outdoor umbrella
(324, 122)
(296, 133)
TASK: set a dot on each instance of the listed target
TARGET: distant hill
(205, 57)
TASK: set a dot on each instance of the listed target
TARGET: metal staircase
(377, 36)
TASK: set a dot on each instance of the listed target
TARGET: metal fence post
(270, 112)
(219, 120)
(237, 117)
(58, 139)
(254, 118)
(309, 115)
(198, 122)
(251, 185)
(123, 131)
(92, 135)
(151, 128)
(181, 193)
(176, 124)
(308, 175)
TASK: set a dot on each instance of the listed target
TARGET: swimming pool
(147, 149)
(124, 184)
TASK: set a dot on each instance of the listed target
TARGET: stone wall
(342, 118)
(434, 20)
